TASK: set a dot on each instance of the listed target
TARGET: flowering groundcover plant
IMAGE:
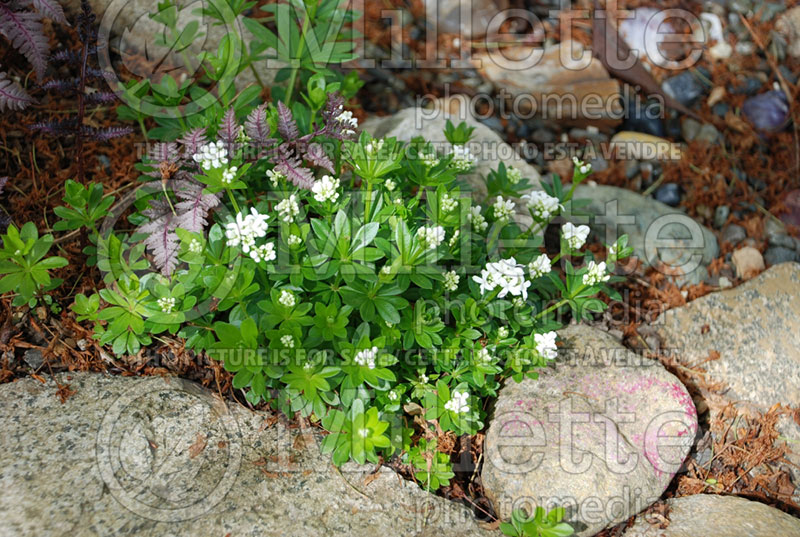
(348, 280)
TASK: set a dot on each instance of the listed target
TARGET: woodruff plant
(348, 279)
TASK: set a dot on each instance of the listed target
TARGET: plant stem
(368, 202)
(295, 69)
(233, 200)
(551, 308)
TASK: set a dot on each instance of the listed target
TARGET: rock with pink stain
(602, 434)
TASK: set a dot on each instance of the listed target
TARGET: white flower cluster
(287, 299)
(508, 275)
(229, 174)
(287, 341)
(454, 238)
(392, 395)
(596, 273)
(502, 332)
(390, 185)
(458, 402)
(575, 235)
(288, 208)
(546, 345)
(363, 432)
(448, 203)
(246, 229)
(503, 209)
(582, 167)
(451, 280)
(483, 356)
(274, 177)
(539, 266)
(265, 252)
(514, 175)
(167, 304)
(374, 147)
(430, 160)
(479, 223)
(212, 155)
(195, 246)
(366, 358)
(326, 189)
(294, 240)
(346, 118)
(543, 205)
(463, 160)
(431, 237)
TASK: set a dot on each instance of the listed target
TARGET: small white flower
(287, 341)
(483, 356)
(195, 246)
(479, 223)
(348, 121)
(539, 266)
(514, 175)
(575, 235)
(612, 250)
(542, 205)
(287, 299)
(502, 332)
(294, 240)
(451, 280)
(242, 137)
(244, 230)
(167, 304)
(423, 378)
(454, 238)
(448, 203)
(326, 189)
(392, 395)
(366, 358)
(390, 185)
(518, 302)
(596, 273)
(458, 402)
(363, 432)
(503, 209)
(288, 208)
(229, 174)
(463, 160)
(274, 177)
(430, 160)
(212, 155)
(374, 147)
(508, 275)
(581, 166)
(387, 269)
(265, 252)
(432, 237)
(546, 345)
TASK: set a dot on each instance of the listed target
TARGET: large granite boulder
(151, 456)
(602, 434)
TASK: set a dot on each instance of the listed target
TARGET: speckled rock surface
(755, 327)
(706, 515)
(164, 457)
(601, 434)
(686, 247)
(485, 144)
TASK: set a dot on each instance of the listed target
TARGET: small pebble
(748, 262)
(684, 88)
(34, 358)
(776, 255)
(733, 234)
(767, 111)
(721, 51)
(721, 215)
(668, 194)
(784, 241)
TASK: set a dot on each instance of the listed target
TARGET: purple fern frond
(228, 128)
(12, 96)
(61, 85)
(161, 241)
(287, 127)
(317, 156)
(51, 10)
(257, 128)
(56, 128)
(289, 165)
(100, 97)
(194, 207)
(192, 141)
(105, 134)
(24, 30)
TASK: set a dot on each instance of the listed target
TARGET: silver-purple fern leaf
(161, 240)
(51, 10)
(24, 30)
(12, 96)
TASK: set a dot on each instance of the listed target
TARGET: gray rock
(708, 134)
(34, 358)
(756, 330)
(709, 515)
(685, 88)
(480, 14)
(777, 255)
(486, 145)
(157, 456)
(784, 241)
(690, 128)
(721, 215)
(685, 245)
(601, 434)
(733, 234)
